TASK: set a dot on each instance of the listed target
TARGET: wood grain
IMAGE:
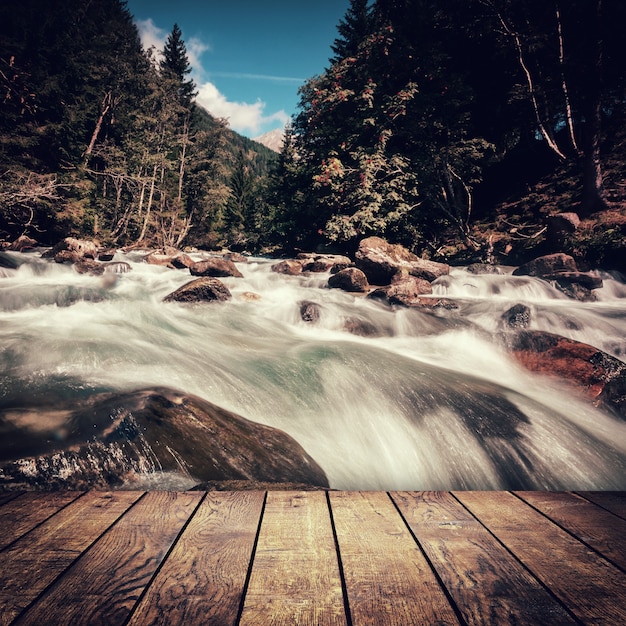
(614, 501)
(295, 577)
(203, 578)
(487, 584)
(20, 515)
(598, 528)
(387, 577)
(592, 588)
(106, 582)
(29, 565)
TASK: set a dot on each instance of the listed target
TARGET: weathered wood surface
(312, 558)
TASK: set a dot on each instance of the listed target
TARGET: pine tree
(352, 29)
(176, 62)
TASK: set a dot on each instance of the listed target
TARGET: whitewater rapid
(431, 401)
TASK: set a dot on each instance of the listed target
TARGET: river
(431, 401)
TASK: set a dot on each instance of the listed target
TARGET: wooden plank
(598, 528)
(203, 579)
(388, 579)
(9, 495)
(614, 501)
(591, 587)
(29, 565)
(487, 584)
(295, 577)
(22, 514)
(106, 582)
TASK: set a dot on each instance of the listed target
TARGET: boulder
(518, 316)
(22, 244)
(601, 377)
(310, 311)
(561, 270)
(158, 258)
(114, 439)
(235, 257)
(350, 279)
(288, 267)
(89, 266)
(547, 265)
(182, 261)
(72, 250)
(404, 290)
(205, 289)
(324, 262)
(106, 255)
(380, 261)
(219, 268)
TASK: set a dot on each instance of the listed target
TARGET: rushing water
(433, 401)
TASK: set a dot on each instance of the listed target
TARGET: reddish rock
(405, 290)
(22, 244)
(204, 289)
(310, 311)
(219, 268)
(182, 261)
(350, 279)
(601, 377)
(72, 250)
(288, 267)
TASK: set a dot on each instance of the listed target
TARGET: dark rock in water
(220, 268)
(106, 255)
(363, 328)
(182, 261)
(518, 316)
(380, 261)
(235, 257)
(113, 439)
(483, 268)
(601, 377)
(288, 267)
(88, 266)
(200, 290)
(310, 311)
(561, 269)
(547, 265)
(350, 279)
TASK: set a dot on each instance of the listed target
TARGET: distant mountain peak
(272, 139)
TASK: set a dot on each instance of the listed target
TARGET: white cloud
(242, 116)
(151, 35)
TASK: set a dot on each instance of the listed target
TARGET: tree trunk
(106, 105)
(593, 185)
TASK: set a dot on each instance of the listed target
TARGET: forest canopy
(428, 120)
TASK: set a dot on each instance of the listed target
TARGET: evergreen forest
(455, 128)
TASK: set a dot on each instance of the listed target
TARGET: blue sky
(249, 57)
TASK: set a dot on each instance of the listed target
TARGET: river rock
(518, 316)
(483, 268)
(88, 266)
(561, 270)
(323, 262)
(310, 311)
(114, 439)
(380, 261)
(404, 290)
(72, 250)
(205, 289)
(600, 376)
(350, 279)
(106, 255)
(182, 261)
(288, 267)
(23, 244)
(219, 268)
(235, 257)
(547, 265)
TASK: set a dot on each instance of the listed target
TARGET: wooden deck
(312, 558)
